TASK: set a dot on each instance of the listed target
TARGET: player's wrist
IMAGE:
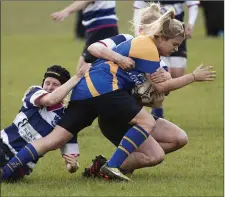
(194, 77)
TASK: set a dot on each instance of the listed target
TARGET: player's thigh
(78, 115)
(113, 132)
(119, 106)
(145, 120)
(167, 132)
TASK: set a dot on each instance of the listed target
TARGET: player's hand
(83, 69)
(189, 30)
(72, 164)
(60, 16)
(204, 73)
(157, 100)
(126, 63)
(160, 76)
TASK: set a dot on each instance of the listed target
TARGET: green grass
(31, 42)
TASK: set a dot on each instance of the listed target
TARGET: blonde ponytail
(146, 15)
(156, 27)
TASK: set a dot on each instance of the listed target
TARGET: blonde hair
(153, 23)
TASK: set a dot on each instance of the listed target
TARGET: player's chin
(166, 54)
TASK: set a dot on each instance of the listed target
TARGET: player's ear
(160, 39)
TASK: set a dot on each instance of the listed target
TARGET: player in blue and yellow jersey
(166, 136)
(42, 107)
(105, 91)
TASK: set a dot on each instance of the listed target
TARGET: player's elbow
(47, 101)
(96, 50)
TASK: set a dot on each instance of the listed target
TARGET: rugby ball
(143, 93)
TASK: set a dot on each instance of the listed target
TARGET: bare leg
(167, 138)
(148, 154)
(54, 140)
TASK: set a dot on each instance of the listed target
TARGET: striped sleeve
(31, 95)
(116, 40)
(163, 65)
(71, 147)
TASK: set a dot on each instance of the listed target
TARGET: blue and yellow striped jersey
(106, 76)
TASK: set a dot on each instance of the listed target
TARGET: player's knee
(182, 140)
(148, 126)
(153, 160)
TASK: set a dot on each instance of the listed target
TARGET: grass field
(31, 42)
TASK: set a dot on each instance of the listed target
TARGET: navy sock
(132, 139)
(157, 112)
(24, 156)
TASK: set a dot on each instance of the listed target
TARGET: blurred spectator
(214, 21)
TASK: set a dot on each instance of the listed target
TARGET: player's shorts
(118, 104)
(94, 36)
(5, 156)
(175, 62)
(114, 132)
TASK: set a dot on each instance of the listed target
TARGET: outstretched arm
(74, 7)
(201, 73)
(70, 152)
(60, 93)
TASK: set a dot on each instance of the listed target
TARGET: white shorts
(175, 62)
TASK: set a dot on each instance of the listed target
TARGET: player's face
(167, 46)
(50, 84)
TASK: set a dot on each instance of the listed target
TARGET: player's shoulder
(127, 36)
(33, 88)
(144, 47)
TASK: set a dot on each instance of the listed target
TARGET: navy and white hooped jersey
(177, 5)
(33, 123)
(99, 14)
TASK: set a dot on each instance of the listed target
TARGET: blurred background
(31, 42)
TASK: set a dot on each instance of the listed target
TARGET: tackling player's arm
(70, 152)
(59, 93)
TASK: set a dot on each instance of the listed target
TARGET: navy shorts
(94, 36)
(114, 132)
(119, 106)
